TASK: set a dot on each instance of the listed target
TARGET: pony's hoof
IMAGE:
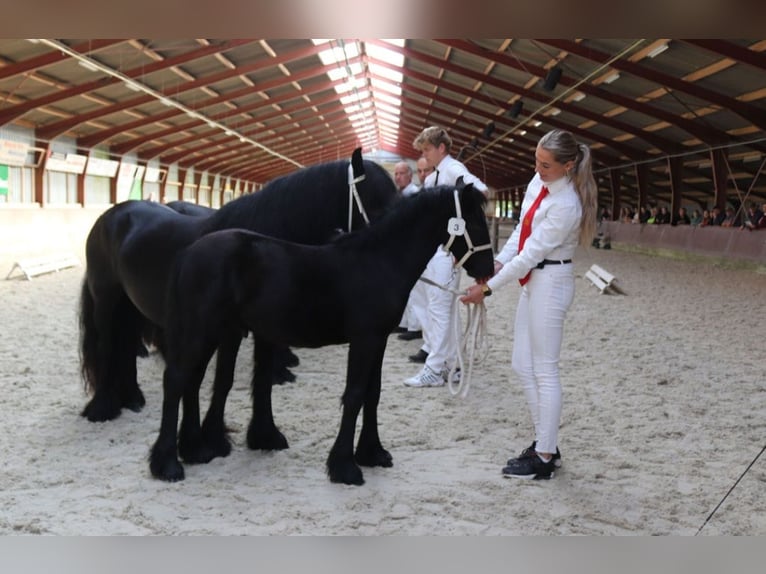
(374, 457)
(268, 440)
(284, 375)
(291, 359)
(348, 473)
(134, 400)
(205, 451)
(97, 410)
(168, 470)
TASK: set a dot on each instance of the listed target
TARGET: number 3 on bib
(456, 226)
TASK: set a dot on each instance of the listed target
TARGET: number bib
(456, 226)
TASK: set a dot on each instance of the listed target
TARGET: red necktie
(526, 226)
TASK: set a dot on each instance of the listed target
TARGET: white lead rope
(472, 340)
(473, 343)
(475, 336)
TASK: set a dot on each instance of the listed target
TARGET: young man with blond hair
(439, 350)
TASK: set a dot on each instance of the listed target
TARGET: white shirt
(410, 189)
(448, 170)
(555, 231)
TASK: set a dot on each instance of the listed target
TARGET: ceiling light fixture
(658, 50)
(87, 65)
(552, 78)
(488, 129)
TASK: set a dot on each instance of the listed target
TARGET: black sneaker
(419, 357)
(410, 335)
(531, 467)
(530, 451)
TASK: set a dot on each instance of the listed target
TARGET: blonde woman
(558, 213)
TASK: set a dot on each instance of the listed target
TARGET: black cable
(741, 476)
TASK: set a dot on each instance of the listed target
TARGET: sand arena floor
(664, 410)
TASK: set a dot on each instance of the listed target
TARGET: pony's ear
(464, 189)
(356, 162)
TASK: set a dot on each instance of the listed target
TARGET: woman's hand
(474, 294)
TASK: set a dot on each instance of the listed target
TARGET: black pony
(351, 290)
(152, 335)
(131, 248)
(189, 208)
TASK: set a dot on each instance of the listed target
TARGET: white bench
(602, 279)
(45, 264)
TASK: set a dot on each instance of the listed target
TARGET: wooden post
(182, 181)
(40, 195)
(81, 189)
(163, 183)
(614, 186)
(720, 177)
(642, 182)
(675, 173)
(113, 188)
(197, 182)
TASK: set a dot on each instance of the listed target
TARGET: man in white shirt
(403, 179)
(411, 325)
(439, 350)
(424, 170)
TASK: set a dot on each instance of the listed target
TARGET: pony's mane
(283, 193)
(315, 189)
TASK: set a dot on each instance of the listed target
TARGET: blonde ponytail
(586, 187)
(565, 148)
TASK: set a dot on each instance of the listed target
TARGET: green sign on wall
(135, 190)
(3, 180)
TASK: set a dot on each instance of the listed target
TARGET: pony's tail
(88, 338)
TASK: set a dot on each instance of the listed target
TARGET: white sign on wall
(153, 175)
(102, 167)
(68, 163)
(13, 153)
(127, 170)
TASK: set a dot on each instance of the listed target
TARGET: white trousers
(438, 334)
(538, 333)
(415, 314)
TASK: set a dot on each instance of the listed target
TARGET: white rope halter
(475, 335)
(455, 227)
(353, 196)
